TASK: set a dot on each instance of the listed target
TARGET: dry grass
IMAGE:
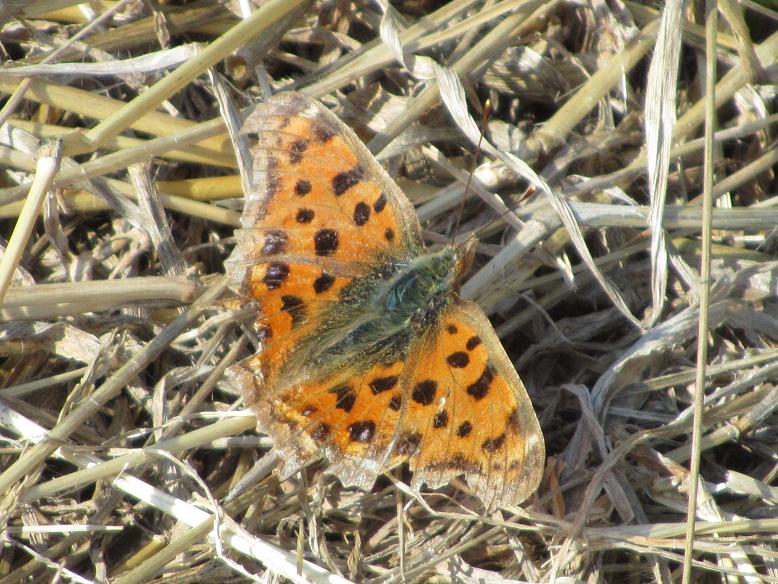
(125, 459)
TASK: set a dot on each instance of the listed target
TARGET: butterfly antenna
(485, 115)
(508, 210)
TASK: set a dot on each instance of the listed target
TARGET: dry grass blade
(145, 64)
(107, 391)
(711, 22)
(660, 118)
(49, 160)
(598, 202)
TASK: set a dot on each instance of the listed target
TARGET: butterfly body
(418, 293)
(375, 315)
(368, 355)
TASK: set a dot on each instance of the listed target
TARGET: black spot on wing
(345, 397)
(304, 215)
(343, 181)
(440, 420)
(389, 234)
(473, 342)
(480, 387)
(361, 431)
(296, 150)
(275, 275)
(276, 241)
(458, 359)
(424, 392)
(323, 283)
(323, 133)
(361, 213)
(464, 429)
(302, 187)
(382, 384)
(492, 445)
(380, 203)
(326, 242)
(295, 306)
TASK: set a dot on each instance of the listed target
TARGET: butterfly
(368, 355)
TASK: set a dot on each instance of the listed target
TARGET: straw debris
(125, 458)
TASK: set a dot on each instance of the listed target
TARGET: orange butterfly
(368, 354)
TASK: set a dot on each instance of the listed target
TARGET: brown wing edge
(293, 447)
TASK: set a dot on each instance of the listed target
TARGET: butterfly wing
(453, 405)
(467, 412)
(321, 212)
(350, 416)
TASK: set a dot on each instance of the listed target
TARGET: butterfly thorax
(378, 315)
(417, 293)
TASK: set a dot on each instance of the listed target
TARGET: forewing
(321, 212)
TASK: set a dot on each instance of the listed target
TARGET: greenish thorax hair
(376, 317)
(417, 292)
